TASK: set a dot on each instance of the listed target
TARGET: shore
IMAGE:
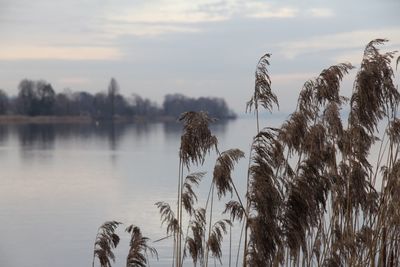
(15, 119)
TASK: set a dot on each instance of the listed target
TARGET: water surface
(59, 183)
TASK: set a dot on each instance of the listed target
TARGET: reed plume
(223, 169)
(263, 94)
(195, 242)
(189, 197)
(168, 217)
(196, 140)
(235, 209)
(374, 93)
(214, 242)
(106, 241)
(138, 248)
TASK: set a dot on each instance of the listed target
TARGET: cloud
(103, 21)
(339, 41)
(321, 12)
(120, 28)
(159, 17)
(287, 78)
(285, 12)
(31, 52)
(179, 11)
(166, 12)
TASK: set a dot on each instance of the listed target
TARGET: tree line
(38, 98)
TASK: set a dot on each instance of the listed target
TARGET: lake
(60, 182)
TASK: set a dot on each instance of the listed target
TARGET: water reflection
(44, 136)
(36, 136)
(4, 131)
(113, 132)
(4, 135)
(172, 129)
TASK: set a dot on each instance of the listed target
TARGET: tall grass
(313, 196)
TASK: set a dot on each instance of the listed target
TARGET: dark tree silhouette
(4, 102)
(25, 97)
(44, 99)
(38, 98)
(35, 98)
(113, 89)
(176, 104)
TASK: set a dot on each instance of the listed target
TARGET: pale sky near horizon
(198, 48)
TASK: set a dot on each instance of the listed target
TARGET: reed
(325, 206)
(314, 197)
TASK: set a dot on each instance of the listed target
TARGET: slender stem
(187, 234)
(176, 251)
(206, 206)
(210, 223)
(173, 251)
(240, 242)
(94, 247)
(237, 194)
(230, 245)
(208, 196)
(258, 124)
(247, 207)
(180, 219)
(94, 257)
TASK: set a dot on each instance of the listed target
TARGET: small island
(37, 102)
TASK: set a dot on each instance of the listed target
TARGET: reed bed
(313, 196)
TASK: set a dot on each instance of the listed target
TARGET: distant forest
(38, 98)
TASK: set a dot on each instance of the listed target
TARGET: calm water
(60, 182)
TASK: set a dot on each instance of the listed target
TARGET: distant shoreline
(85, 119)
(11, 119)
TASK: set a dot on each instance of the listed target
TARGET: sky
(197, 48)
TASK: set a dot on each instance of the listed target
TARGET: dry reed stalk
(263, 96)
